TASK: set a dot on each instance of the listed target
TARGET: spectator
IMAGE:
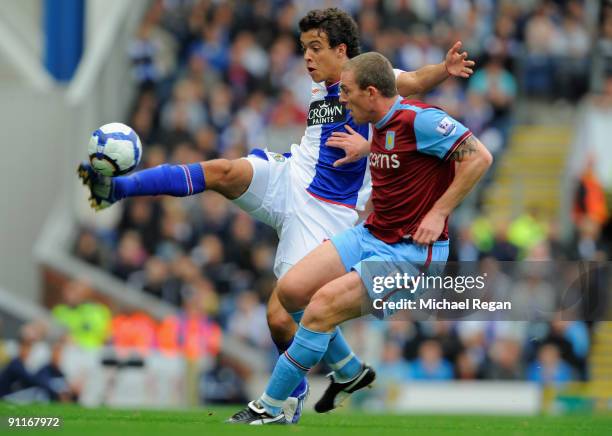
(88, 322)
(541, 33)
(549, 369)
(533, 296)
(131, 255)
(503, 250)
(133, 333)
(88, 248)
(505, 361)
(572, 341)
(18, 384)
(430, 365)
(224, 382)
(248, 322)
(191, 332)
(590, 199)
(465, 367)
(526, 231)
(52, 374)
(500, 89)
(392, 368)
(156, 280)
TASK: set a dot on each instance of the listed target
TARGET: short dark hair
(373, 69)
(339, 27)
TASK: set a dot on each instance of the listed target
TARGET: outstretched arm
(425, 79)
(473, 160)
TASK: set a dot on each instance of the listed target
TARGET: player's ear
(341, 50)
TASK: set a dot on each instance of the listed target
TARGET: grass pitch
(209, 421)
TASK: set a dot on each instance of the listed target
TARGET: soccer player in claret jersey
(423, 163)
(302, 194)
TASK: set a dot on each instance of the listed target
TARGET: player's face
(323, 62)
(356, 100)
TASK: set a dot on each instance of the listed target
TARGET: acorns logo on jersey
(325, 112)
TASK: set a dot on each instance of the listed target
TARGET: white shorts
(302, 221)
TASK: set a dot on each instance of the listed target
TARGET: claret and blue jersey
(410, 166)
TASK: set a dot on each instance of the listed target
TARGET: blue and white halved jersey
(312, 160)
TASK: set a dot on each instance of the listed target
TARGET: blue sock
(305, 352)
(301, 387)
(175, 180)
(341, 359)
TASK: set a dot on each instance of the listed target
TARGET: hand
(354, 145)
(457, 64)
(430, 228)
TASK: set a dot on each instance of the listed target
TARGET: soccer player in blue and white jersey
(302, 194)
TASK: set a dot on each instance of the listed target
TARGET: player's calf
(282, 325)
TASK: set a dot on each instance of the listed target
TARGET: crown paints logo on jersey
(446, 126)
(326, 112)
(390, 140)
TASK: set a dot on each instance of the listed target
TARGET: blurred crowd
(218, 78)
(547, 353)
(20, 383)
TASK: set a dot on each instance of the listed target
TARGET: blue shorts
(370, 257)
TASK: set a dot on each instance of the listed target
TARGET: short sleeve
(437, 133)
(397, 72)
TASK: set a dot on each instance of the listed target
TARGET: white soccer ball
(114, 149)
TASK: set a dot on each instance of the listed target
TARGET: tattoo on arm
(465, 149)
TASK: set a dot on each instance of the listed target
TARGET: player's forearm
(421, 81)
(473, 161)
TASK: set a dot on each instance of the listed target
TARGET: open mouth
(310, 69)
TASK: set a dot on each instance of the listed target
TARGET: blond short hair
(373, 69)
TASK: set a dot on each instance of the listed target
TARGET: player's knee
(291, 293)
(318, 316)
(228, 177)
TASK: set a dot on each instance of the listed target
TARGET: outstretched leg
(230, 178)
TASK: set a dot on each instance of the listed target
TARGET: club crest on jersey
(446, 126)
(390, 140)
(278, 157)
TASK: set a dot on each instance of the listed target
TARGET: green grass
(209, 421)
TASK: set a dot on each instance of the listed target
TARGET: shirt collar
(389, 114)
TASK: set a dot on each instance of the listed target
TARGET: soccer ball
(114, 149)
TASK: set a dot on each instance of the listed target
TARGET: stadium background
(160, 302)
